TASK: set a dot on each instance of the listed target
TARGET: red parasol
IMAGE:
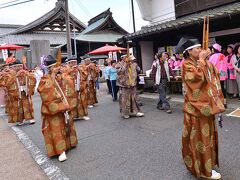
(10, 47)
(107, 49)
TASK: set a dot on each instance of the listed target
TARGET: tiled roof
(100, 22)
(8, 28)
(102, 28)
(25, 38)
(59, 10)
(218, 12)
(103, 36)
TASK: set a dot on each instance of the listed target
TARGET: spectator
(106, 76)
(11, 58)
(219, 60)
(113, 78)
(161, 75)
(232, 87)
(236, 65)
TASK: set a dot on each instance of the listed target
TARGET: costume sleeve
(2, 82)
(120, 67)
(196, 92)
(32, 83)
(52, 99)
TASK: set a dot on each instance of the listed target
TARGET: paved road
(148, 148)
(16, 162)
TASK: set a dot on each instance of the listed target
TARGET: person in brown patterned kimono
(58, 102)
(3, 79)
(92, 78)
(79, 76)
(203, 99)
(127, 80)
(20, 88)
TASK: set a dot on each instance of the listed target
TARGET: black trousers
(114, 89)
(223, 88)
(109, 86)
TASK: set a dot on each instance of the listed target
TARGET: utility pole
(75, 42)
(133, 17)
(69, 47)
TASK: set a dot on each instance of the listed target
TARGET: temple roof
(50, 26)
(54, 20)
(102, 28)
(8, 28)
(55, 38)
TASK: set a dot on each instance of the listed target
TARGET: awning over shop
(219, 12)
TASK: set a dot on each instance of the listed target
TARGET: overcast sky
(82, 9)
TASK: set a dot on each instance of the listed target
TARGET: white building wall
(157, 11)
(147, 54)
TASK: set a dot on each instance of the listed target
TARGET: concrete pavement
(147, 148)
(16, 162)
(231, 103)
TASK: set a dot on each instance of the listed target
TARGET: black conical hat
(49, 60)
(70, 59)
(186, 43)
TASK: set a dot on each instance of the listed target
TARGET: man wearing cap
(127, 81)
(220, 62)
(161, 72)
(56, 90)
(20, 88)
(202, 100)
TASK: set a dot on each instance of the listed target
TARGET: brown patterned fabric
(128, 101)
(127, 74)
(82, 96)
(3, 75)
(58, 135)
(199, 137)
(20, 107)
(92, 78)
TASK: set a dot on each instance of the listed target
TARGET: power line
(9, 2)
(83, 7)
(16, 4)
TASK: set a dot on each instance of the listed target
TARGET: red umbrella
(107, 49)
(10, 47)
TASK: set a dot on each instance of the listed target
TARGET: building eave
(185, 21)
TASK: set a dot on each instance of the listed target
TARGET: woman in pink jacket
(232, 86)
(220, 62)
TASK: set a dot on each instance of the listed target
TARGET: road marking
(52, 172)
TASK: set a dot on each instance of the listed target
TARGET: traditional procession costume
(20, 86)
(79, 74)
(203, 99)
(92, 78)
(127, 81)
(58, 103)
(4, 76)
